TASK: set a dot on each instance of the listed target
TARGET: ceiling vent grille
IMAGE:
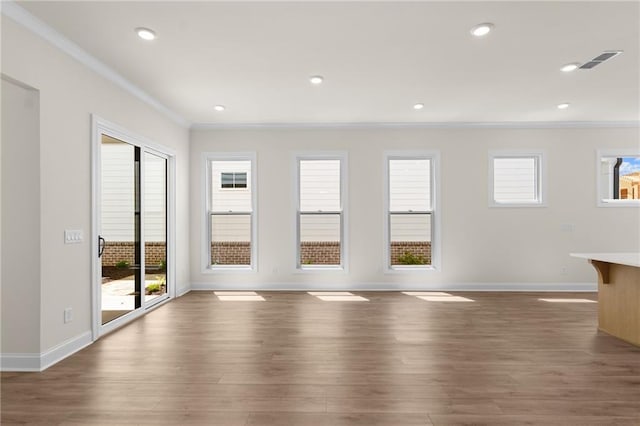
(604, 56)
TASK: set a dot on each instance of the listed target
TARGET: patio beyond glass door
(133, 228)
(155, 226)
(120, 248)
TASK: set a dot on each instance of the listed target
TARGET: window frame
(341, 156)
(607, 202)
(540, 174)
(207, 174)
(434, 184)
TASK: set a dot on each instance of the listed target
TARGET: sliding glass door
(119, 228)
(132, 226)
(155, 226)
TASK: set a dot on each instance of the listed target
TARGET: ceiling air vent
(604, 56)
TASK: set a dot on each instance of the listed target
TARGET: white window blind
(516, 180)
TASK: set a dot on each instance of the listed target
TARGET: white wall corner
(42, 361)
(183, 290)
(65, 349)
(40, 28)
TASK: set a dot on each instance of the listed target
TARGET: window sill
(229, 269)
(517, 205)
(410, 269)
(321, 269)
(618, 203)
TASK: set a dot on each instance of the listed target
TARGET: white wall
(20, 204)
(479, 244)
(69, 94)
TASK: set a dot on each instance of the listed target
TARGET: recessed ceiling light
(316, 79)
(219, 108)
(570, 67)
(481, 29)
(418, 106)
(563, 106)
(146, 33)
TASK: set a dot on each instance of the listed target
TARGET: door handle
(101, 245)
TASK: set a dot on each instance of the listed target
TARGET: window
(320, 215)
(233, 180)
(410, 211)
(516, 179)
(618, 178)
(230, 217)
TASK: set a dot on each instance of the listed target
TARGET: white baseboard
(44, 360)
(64, 349)
(20, 362)
(297, 286)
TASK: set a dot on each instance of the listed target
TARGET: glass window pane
(629, 178)
(119, 179)
(231, 239)
(222, 176)
(410, 185)
(620, 178)
(320, 239)
(410, 239)
(515, 180)
(320, 185)
(226, 180)
(155, 225)
(240, 180)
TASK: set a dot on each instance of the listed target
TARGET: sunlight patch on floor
(437, 296)
(337, 296)
(238, 296)
(568, 300)
(445, 298)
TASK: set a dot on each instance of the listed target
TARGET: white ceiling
(378, 59)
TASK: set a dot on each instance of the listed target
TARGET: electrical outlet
(563, 270)
(68, 315)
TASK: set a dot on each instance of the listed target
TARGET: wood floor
(503, 359)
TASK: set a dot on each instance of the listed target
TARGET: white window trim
(600, 200)
(205, 262)
(344, 240)
(541, 174)
(435, 266)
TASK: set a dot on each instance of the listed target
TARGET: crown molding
(38, 27)
(426, 125)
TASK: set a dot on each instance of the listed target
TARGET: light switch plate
(567, 227)
(73, 236)
(68, 315)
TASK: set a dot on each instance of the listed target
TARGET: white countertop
(629, 259)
